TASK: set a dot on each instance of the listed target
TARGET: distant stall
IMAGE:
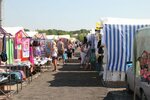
(41, 39)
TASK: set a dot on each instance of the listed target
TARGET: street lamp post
(0, 12)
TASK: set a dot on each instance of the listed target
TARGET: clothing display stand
(11, 67)
(2, 86)
(5, 86)
(39, 65)
(4, 33)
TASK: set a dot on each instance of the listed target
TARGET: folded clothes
(3, 78)
(41, 61)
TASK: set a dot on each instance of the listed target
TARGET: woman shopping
(54, 55)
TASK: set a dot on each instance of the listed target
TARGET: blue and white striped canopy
(119, 44)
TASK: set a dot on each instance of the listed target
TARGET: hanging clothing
(31, 57)
(37, 51)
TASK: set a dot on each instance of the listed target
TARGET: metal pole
(134, 64)
(0, 16)
(0, 12)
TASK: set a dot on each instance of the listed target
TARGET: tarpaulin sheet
(119, 43)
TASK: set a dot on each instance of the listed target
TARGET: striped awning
(119, 43)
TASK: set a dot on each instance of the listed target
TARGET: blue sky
(69, 14)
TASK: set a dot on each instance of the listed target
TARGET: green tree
(81, 37)
(62, 32)
(26, 30)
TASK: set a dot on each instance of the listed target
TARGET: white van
(141, 65)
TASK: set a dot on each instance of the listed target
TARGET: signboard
(25, 47)
(18, 37)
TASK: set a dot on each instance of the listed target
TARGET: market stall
(6, 59)
(18, 50)
(117, 38)
(41, 51)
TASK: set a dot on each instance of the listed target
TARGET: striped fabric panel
(119, 43)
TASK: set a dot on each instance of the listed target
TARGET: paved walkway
(69, 83)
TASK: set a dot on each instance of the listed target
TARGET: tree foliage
(26, 30)
(80, 33)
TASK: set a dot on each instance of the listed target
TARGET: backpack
(16, 76)
(3, 54)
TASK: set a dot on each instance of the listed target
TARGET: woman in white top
(83, 54)
(54, 52)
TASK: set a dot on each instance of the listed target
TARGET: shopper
(54, 55)
(31, 58)
(83, 54)
(69, 50)
(101, 56)
(87, 57)
(61, 49)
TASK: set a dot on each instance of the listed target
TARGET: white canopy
(124, 21)
(32, 33)
(13, 30)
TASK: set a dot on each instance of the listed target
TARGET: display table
(10, 70)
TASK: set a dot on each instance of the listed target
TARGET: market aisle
(70, 83)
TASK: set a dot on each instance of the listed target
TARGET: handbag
(3, 54)
(61, 52)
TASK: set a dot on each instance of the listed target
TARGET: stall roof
(2, 31)
(50, 36)
(124, 21)
(14, 30)
(40, 36)
(58, 36)
(32, 33)
(63, 36)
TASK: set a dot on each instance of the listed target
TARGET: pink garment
(23, 75)
(31, 58)
(2, 70)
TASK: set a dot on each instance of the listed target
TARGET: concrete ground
(69, 83)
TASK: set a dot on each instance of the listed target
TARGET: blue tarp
(119, 43)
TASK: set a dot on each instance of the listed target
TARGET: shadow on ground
(72, 76)
(119, 95)
(71, 67)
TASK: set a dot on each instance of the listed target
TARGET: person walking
(69, 51)
(61, 49)
(54, 55)
(83, 55)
